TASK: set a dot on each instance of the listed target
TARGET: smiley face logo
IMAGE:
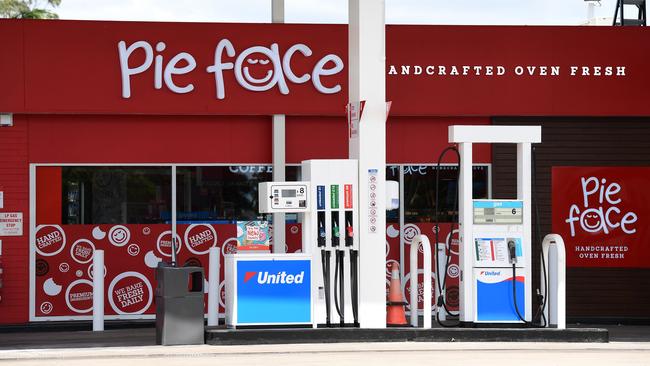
(410, 232)
(591, 221)
(260, 68)
(262, 61)
(64, 267)
(46, 307)
(119, 235)
(133, 250)
(146, 230)
(453, 271)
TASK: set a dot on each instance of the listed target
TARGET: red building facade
(103, 110)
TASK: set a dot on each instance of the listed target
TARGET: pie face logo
(256, 68)
(599, 210)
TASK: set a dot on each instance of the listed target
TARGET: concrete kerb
(215, 351)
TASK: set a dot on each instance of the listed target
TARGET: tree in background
(28, 9)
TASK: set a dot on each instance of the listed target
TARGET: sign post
(367, 83)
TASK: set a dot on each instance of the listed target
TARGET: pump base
(494, 325)
(338, 325)
(222, 336)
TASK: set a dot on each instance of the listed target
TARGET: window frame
(173, 166)
(32, 223)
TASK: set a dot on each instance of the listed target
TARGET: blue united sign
(273, 292)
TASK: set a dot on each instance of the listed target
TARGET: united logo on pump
(274, 292)
(494, 293)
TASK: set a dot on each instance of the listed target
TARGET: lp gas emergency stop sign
(11, 223)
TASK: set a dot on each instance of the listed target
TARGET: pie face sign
(257, 68)
(601, 213)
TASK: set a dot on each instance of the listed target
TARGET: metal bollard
(213, 286)
(554, 256)
(420, 240)
(98, 291)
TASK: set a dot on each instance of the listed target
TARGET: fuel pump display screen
(283, 197)
(288, 193)
(498, 212)
(289, 197)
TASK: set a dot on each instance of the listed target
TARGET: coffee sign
(601, 213)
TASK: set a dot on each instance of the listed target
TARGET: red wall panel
(316, 138)
(14, 182)
(12, 67)
(511, 47)
(422, 139)
(149, 139)
(72, 67)
(408, 139)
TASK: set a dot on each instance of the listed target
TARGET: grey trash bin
(179, 305)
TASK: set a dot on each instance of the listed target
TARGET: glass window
(420, 192)
(115, 195)
(222, 194)
(392, 173)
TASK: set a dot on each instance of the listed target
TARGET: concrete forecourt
(487, 354)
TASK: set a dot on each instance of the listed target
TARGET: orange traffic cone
(395, 315)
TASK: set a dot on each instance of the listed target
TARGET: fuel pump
(334, 183)
(328, 226)
(495, 235)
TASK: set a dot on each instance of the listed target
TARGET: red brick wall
(14, 182)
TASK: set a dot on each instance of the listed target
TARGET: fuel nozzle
(321, 230)
(512, 251)
(336, 235)
(349, 234)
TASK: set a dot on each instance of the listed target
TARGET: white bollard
(554, 256)
(420, 240)
(214, 267)
(98, 291)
